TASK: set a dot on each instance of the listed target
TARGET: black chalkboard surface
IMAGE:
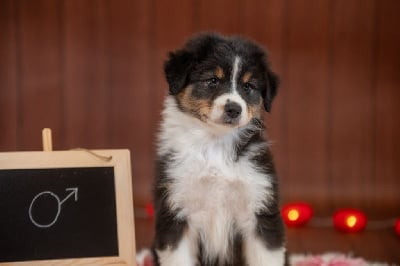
(57, 213)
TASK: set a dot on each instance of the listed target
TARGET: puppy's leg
(183, 254)
(173, 244)
(264, 245)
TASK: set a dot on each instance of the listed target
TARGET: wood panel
(130, 90)
(8, 77)
(221, 16)
(87, 77)
(40, 86)
(306, 79)
(387, 95)
(352, 99)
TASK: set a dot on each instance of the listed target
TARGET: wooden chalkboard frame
(120, 160)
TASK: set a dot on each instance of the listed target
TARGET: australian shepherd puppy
(215, 192)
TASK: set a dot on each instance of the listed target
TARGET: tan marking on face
(246, 77)
(255, 111)
(219, 72)
(198, 107)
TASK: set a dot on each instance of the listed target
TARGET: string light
(293, 215)
(150, 210)
(397, 227)
(300, 213)
(296, 214)
(349, 220)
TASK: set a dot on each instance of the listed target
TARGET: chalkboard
(51, 210)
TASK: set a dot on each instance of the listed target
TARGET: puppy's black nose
(232, 109)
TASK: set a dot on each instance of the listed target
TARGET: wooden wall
(92, 71)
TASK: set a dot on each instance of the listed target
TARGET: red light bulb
(296, 214)
(397, 227)
(150, 210)
(349, 220)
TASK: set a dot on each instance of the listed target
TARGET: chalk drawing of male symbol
(74, 191)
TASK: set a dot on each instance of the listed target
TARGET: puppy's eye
(248, 87)
(212, 81)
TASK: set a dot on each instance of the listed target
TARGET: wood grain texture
(8, 76)
(352, 99)
(40, 86)
(306, 79)
(130, 93)
(387, 108)
(87, 73)
(221, 16)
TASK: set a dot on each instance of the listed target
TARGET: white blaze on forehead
(217, 110)
(235, 72)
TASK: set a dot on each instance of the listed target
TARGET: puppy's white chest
(213, 194)
(207, 180)
(217, 196)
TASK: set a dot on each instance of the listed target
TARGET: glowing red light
(150, 210)
(397, 227)
(349, 220)
(296, 214)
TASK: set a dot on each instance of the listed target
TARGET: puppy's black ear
(272, 83)
(177, 69)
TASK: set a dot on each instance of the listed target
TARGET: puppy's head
(221, 80)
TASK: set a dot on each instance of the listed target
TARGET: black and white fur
(215, 192)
